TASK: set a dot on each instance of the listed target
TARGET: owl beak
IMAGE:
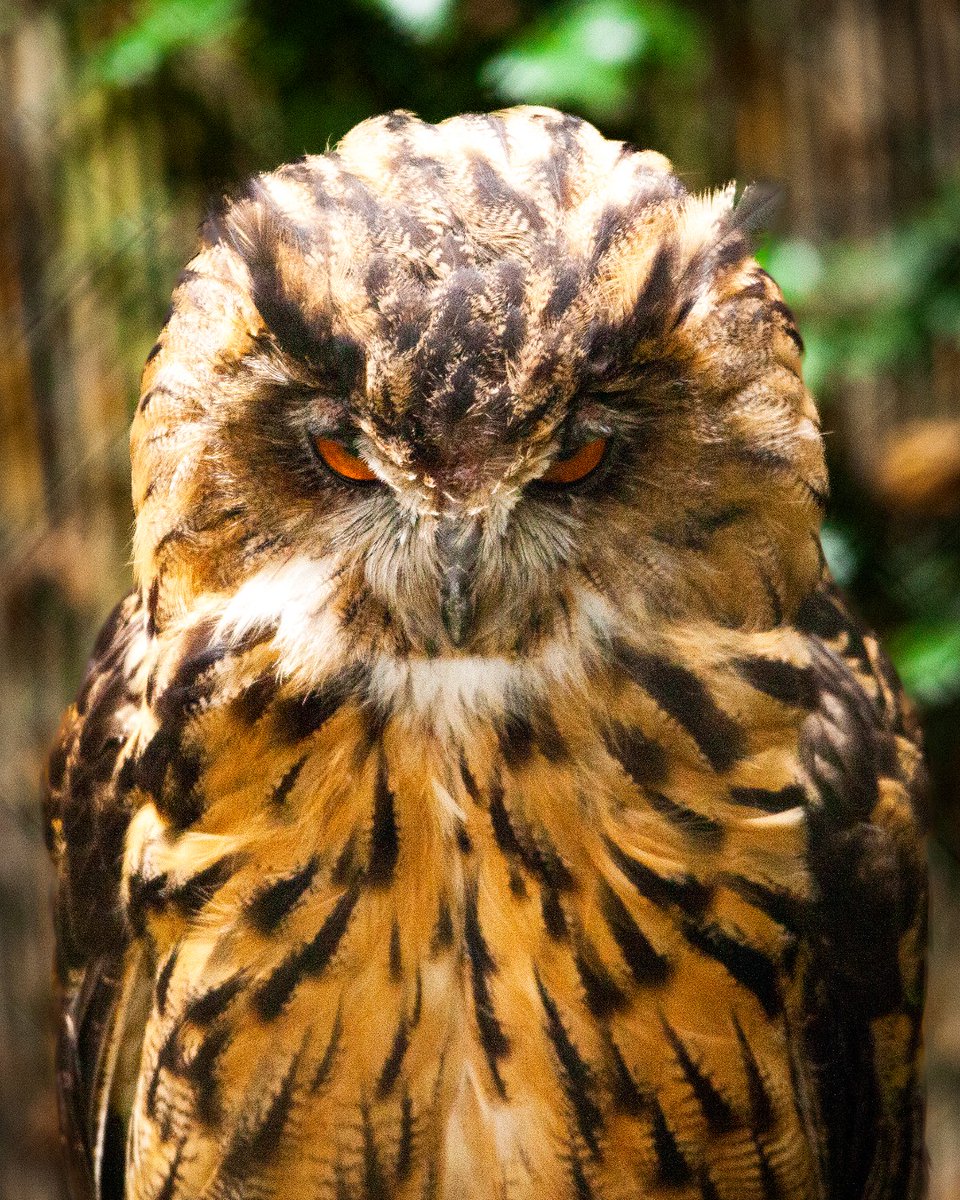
(458, 545)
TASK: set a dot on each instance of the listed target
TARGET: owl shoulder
(863, 760)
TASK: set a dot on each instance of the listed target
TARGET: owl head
(475, 390)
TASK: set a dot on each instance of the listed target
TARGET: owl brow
(257, 233)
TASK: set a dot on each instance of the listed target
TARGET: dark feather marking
(336, 358)
(603, 994)
(708, 1189)
(443, 930)
(761, 1104)
(149, 395)
(404, 1162)
(153, 601)
(790, 325)
(145, 896)
(189, 897)
(554, 921)
(790, 912)
(395, 956)
(112, 1164)
(698, 827)
(255, 1145)
(503, 831)
(575, 1074)
(468, 780)
(790, 796)
(201, 1074)
(345, 870)
(685, 698)
(773, 597)
(731, 251)
(183, 802)
(273, 902)
(794, 335)
(375, 1184)
(296, 717)
(785, 682)
(626, 1095)
(768, 1181)
(168, 1189)
(168, 1059)
(673, 1170)
(520, 735)
(713, 1104)
(651, 307)
(749, 966)
(279, 795)
(644, 760)
(390, 1072)
(495, 1043)
(417, 1011)
(325, 1065)
(254, 700)
(273, 995)
(686, 892)
(819, 615)
(682, 313)
(565, 290)
(544, 863)
(206, 1008)
(648, 967)
(384, 836)
(164, 975)
(493, 190)
(609, 226)
(173, 537)
(581, 1185)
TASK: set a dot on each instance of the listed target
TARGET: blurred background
(121, 123)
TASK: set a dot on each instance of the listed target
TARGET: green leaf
(161, 29)
(927, 655)
(423, 20)
(797, 266)
(581, 55)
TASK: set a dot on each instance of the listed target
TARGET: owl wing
(862, 1043)
(87, 812)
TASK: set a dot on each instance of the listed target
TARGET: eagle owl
(484, 793)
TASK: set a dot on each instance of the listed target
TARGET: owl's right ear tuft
(754, 212)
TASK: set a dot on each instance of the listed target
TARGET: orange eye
(578, 466)
(342, 462)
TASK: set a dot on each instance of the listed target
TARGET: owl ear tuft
(754, 212)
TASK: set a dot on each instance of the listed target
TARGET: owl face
(479, 389)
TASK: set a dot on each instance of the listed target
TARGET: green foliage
(423, 20)
(160, 29)
(927, 655)
(585, 53)
(877, 305)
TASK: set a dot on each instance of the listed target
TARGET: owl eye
(578, 466)
(339, 459)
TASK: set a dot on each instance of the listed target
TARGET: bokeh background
(121, 123)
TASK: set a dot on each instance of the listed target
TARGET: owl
(484, 793)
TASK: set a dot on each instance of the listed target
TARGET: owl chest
(434, 962)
